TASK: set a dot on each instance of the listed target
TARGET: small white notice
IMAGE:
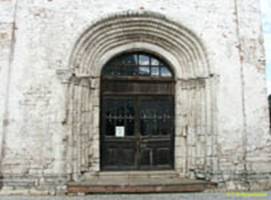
(119, 131)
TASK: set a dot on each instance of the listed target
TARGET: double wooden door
(137, 132)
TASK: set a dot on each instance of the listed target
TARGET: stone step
(129, 174)
(138, 184)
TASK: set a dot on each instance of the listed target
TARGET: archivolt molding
(149, 28)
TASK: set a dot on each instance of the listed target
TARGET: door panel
(156, 116)
(119, 155)
(137, 132)
(118, 112)
(118, 148)
(156, 132)
(159, 154)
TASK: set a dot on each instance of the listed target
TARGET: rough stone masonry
(51, 56)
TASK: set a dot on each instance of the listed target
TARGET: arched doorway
(137, 113)
(194, 90)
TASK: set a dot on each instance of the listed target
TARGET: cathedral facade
(96, 87)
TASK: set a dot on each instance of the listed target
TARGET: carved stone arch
(145, 27)
(195, 98)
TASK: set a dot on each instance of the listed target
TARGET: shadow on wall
(1, 181)
(269, 106)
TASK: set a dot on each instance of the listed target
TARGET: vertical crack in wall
(244, 131)
(7, 92)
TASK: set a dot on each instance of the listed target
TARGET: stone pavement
(190, 196)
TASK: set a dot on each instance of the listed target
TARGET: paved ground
(198, 196)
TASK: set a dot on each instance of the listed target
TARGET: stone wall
(38, 40)
(7, 41)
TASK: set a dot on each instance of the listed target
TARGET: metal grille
(137, 64)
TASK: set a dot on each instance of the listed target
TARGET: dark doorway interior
(137, 113)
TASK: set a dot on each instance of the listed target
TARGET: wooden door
(137, 133)
(137, 119)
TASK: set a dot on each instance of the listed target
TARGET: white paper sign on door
(119, 131)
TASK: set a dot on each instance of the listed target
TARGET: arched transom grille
(137, 65)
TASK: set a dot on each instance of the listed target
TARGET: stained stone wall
(51, 56)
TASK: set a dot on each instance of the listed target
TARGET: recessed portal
(116, 101)
(137, 113)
